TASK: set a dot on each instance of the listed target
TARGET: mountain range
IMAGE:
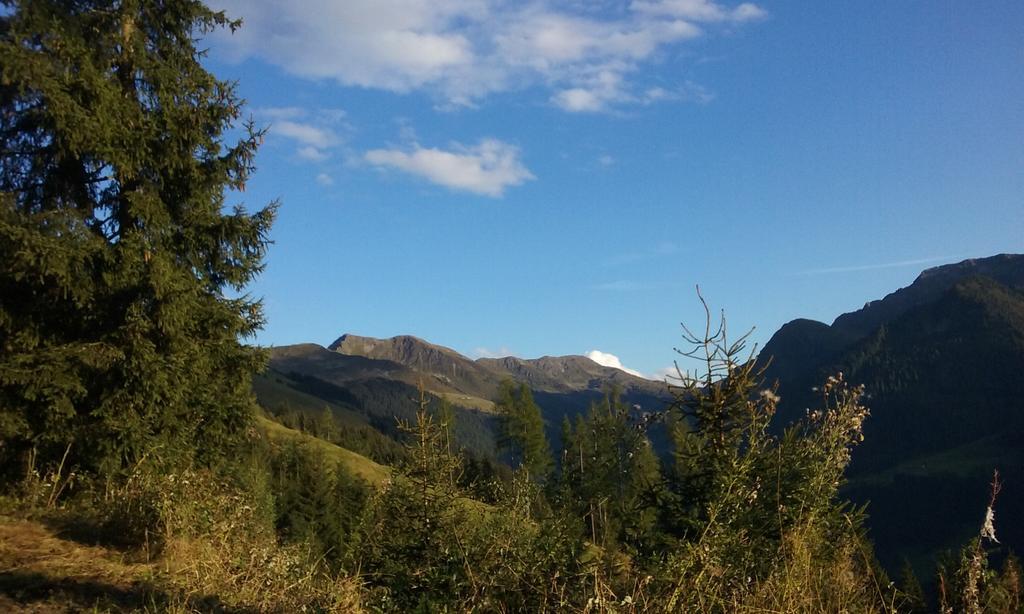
(942, 361)
(379, 380)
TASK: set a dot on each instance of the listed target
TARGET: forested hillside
(152, 458)
(942, 361)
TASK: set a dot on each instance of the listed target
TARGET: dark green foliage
(340, 427)
(914, 601)
(426, 547)
(610, 476)
(119, 334)
(745, 494)
(316, 504)
(1005, 594)
(941, 360)
(522, 430)
(410, 547)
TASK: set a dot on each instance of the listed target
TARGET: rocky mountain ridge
(481, 377)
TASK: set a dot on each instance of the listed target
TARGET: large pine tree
(121, 268)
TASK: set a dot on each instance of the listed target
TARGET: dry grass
(262, 577)
(208, 548)
(811, 580)
(40, 571)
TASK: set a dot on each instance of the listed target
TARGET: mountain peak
(993, 266)
(1006, 269)
(358, 344)
(481, 377)
(440, 363)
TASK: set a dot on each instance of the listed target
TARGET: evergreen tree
(314, 505)
(327, 426)
(342, 517)
(411, 544)
(748, 492)
(302, 491)
(913, 593)
(522, 430)
(611, 475)
(120, 314)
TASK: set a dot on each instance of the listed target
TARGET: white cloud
(607, 89)
(463, 50)
(578, 100)
(312, 131)
(487, 168)
(598, 92)
(700, 10)
(544, 39)
(307, 134)
(610, 360)
(308, 152)
(606, 160)
(324, 179)
(688, 91)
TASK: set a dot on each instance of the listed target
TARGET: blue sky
(551, 178)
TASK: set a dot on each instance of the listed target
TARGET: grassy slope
(466, 401)
(373, 406)
(359, 465)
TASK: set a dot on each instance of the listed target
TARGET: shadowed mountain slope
(942, 362)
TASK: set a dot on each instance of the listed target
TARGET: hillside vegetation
(139, 473)
(943, 365)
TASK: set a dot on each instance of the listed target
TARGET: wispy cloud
(307, 134)
(610, 360)
(700, 10)
(314, 132)
(311, 153)
(464, 50)
(487, 168)
(872, 267)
